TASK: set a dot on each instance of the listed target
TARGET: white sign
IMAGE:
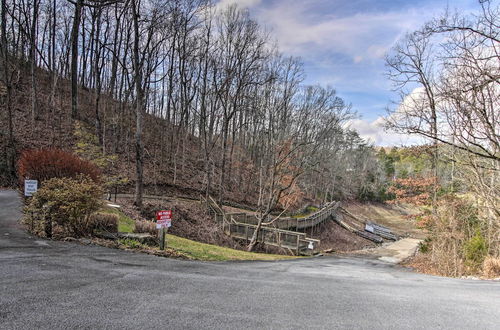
(30, 187)
(164, 223)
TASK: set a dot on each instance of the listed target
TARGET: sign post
(30, 187)
(163, 222)
(162, 238)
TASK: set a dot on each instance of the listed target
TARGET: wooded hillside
(176, 95)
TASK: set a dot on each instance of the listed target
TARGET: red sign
(163, 219)
(163, 215)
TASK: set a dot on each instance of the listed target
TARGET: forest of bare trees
(183, 69)
(194, 96)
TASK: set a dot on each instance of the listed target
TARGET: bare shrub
(105, 222)
(144, 226)
(491, 267)
(456, 245)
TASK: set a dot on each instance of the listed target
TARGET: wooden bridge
(281, 232)
(294, 241)
(287, 222)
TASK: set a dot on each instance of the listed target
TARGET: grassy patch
(308, 211)
(125, 224)
(207, 252)
(188, 249)
(130, 243)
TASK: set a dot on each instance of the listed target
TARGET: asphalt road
(63, 285)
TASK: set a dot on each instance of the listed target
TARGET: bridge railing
(275, 232)
(309, 221)
(291, 240)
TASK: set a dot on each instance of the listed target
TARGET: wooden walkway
(294, 241)
(288, 223)
(280, 232)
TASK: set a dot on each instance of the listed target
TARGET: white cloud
(378, 51)
(301, 31)
(343, 42)
(413, 99)
(375, 133)
(240, 3)
(358, 59)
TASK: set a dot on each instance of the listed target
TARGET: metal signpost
(163, 222)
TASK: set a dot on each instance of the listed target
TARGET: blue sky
(343, 42)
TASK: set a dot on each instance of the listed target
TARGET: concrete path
(62, 285)
(394, 252)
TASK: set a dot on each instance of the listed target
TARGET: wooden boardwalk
(294, 241)
(290, 223)
(281, 232)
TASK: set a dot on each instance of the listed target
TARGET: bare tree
(208, 81)
(33, 38)
(6, 79)
(413, 63)
(77, 16)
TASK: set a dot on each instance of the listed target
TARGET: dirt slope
(392, 216)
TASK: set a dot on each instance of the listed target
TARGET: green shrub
(89, 148)
(475, 250)
(65, 203)
(424, 246)
(130, 243)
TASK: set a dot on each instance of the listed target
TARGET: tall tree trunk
(6, 79)
(34, 108)
(139, 152)
(74, 58)
(53, 72)
(224, 160)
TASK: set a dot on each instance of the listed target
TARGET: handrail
(309, 221)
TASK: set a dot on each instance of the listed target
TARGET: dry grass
(491, 267)
(423, 264)
(105, 222)
(145, 226)
(125, 223)
(189, 220)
